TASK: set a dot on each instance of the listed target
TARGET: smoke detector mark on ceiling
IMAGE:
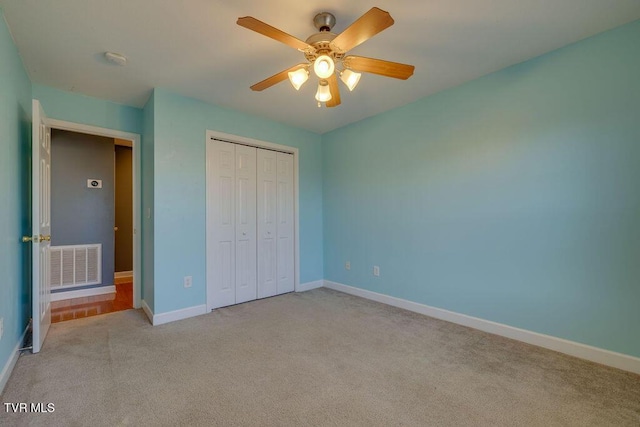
(116, 58)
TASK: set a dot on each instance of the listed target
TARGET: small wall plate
(94, 183)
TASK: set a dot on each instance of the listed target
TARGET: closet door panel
(285, 226)
(221, 244)
(245, 223)
(267, 217)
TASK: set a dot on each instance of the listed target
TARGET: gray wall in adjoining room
(82, 215)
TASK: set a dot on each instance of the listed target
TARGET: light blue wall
(179, 191)
(147, 202)
(514, 198)
(78, 108)
(15, 220)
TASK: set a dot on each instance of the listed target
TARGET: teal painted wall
(78, 108)
(513, 198)
(179, 192)
(147, 202)
(15, 193)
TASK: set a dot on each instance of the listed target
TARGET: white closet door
(221, 244)
(245, 223)
(267, 230)
(285, 245)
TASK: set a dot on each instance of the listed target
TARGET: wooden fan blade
(276, 78)
(365, 27)
(379, 66)
(335, 92)
(253, 24)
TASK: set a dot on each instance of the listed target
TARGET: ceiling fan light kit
(349, 78)
(324, 93)
(324, 50)
(324, 66)
(298, 77)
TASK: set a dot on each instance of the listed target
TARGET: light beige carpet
(316, 358)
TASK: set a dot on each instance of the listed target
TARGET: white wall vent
(75, 265)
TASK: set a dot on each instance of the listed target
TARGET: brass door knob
(45, 238)
(27, 239)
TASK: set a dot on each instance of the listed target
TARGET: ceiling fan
(324, 50)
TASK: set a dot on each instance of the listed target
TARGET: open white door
(41, 225)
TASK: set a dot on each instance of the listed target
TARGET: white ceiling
(194, 47)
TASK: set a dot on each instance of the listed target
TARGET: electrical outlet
(1, 327)
(188, 281)
(347, 265)
(376, 270)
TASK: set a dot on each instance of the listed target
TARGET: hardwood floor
(77, 308)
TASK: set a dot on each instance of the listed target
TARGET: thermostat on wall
(94, 183)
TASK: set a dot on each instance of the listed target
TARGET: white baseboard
(572, 348)
(119, 274)
(172, 316)
(302, 287)
(81, 293)
(147, 311)
(11, 363)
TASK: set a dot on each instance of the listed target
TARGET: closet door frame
(235, 139)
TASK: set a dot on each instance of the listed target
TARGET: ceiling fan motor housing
(324, 21)
(321, 44)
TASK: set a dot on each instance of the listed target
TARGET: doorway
(94, 217)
